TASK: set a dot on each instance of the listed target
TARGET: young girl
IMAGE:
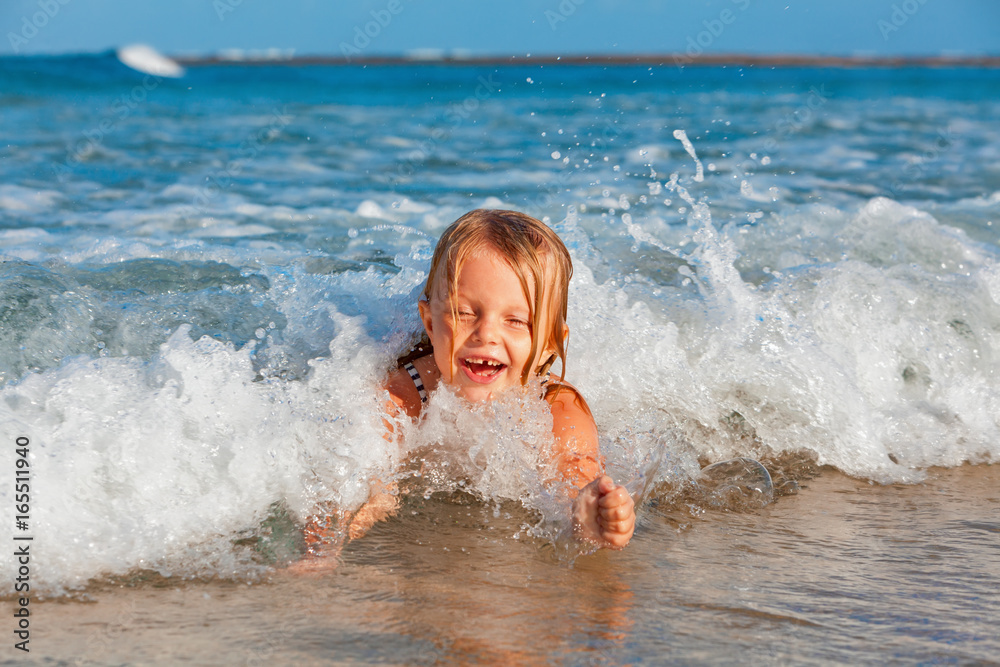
(494, 310)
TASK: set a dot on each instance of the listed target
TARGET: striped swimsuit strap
(548, 386)
(417, 382)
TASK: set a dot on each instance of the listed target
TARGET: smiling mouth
(483, 368)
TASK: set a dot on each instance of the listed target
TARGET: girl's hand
(324, 535)
(604, 514)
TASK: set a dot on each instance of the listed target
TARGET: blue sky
(844, 27)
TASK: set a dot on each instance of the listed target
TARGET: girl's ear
(550, 350)
(546, 365)
(549, 354)
(425, 316)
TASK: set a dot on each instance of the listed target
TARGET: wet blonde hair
(538, 258)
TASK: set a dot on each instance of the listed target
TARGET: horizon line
(679, 58)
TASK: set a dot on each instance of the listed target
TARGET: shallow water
(203, 280)
(845, 572)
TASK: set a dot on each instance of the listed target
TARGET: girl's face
(484, 351)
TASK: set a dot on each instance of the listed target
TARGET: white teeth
(488, 362)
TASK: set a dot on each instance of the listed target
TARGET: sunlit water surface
(204, 280)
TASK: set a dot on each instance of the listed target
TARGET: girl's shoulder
(569, 408)
(563, 392)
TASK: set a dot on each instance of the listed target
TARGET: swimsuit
(417, 382)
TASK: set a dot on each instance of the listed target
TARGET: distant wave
(76, 71)
(146, 59)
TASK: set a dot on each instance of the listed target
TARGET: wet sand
(844, 571)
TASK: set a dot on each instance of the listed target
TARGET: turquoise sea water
(204, 278)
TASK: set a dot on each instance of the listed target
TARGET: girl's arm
(382, 501)
(603, 512)
(325, 534)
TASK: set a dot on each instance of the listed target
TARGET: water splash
(681, 136)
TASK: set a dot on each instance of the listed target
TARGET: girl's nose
(487, 330)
